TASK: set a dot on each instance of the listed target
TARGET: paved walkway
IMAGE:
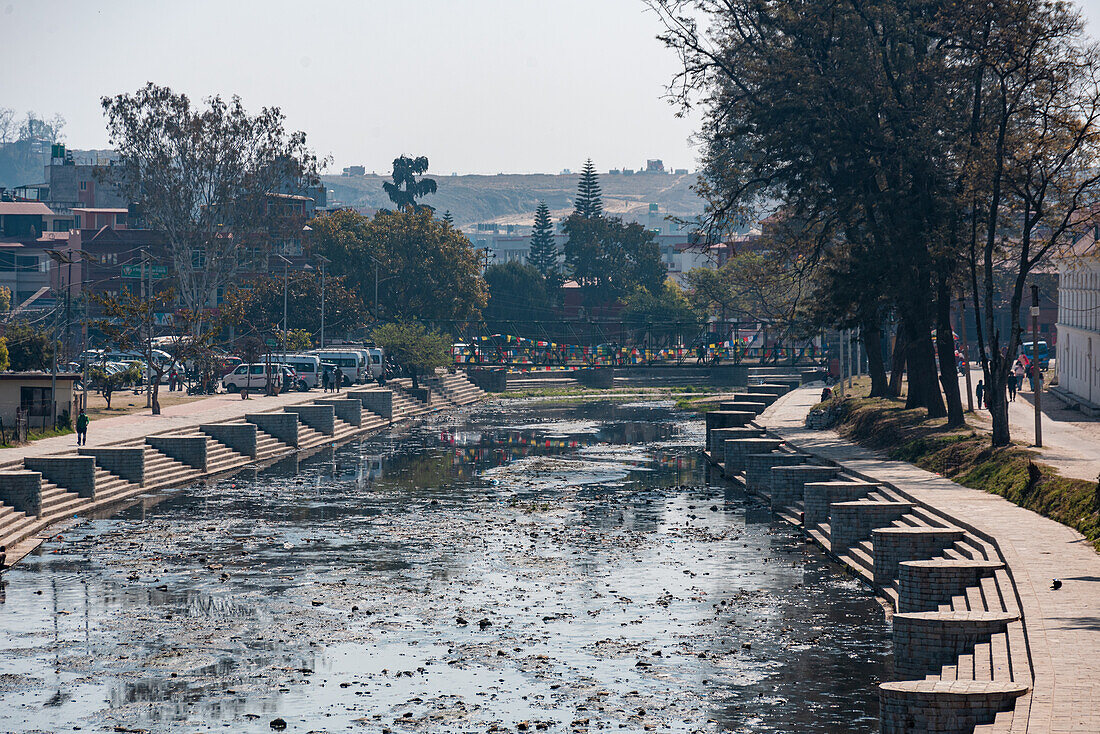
(117, 429)
(1063, 626)
(1071, 441)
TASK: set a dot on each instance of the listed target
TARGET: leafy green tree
(256, 306)
(544, 252)
(660, 317)
(126, 321)
(5, 299)
(5, 359)
(414, 347)
(298, 340)
(406, 188)
(589, 200)
(196, 174)
(609, 259)
(29, 347)
(518, 296)
(425, 269)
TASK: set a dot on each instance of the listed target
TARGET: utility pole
(53, 374)
(1035, 370)
(286, 276)
(966, 354)
(325, 261)
(146, 300)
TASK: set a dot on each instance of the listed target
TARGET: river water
(527, 566)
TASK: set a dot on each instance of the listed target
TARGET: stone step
(17, 528)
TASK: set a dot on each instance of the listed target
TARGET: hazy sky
(479, 86)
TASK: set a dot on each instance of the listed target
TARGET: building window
(198, 259)
(35, 400)
(26, 263)
(83, 185)
(7, 262)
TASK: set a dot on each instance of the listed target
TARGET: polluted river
(521, 566)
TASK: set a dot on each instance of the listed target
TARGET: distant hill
(512, 198)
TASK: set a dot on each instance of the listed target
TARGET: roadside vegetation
(965, 455)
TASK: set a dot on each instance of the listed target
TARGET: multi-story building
(1078, 348)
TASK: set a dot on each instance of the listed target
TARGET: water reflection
(531, 563)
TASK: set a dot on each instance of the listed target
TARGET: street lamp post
(286, 276)
(324, 261)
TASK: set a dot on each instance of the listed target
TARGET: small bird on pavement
(1055, 584)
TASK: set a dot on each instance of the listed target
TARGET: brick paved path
(1063, 626)
(116, 429)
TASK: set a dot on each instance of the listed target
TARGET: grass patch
(966, 456)
(37, 435)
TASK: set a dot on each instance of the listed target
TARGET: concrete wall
(241, 437)
(22, 490)
(600, 379)
(72, 473)
(379, 402)
(283, 426)
(190, 450)
(11, 390)
(349, 410)
(488, 380)
(924, 642)
(125, 462)
(318, 417)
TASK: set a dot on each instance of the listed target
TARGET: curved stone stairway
(960, 646)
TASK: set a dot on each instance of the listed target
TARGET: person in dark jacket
(979, 392)
(82, 428)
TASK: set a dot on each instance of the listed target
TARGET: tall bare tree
(206, 177)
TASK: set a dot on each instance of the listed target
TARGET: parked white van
(308, 367)
(255, 376)
(351, 362)
(377, 361)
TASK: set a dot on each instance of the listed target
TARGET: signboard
(157, 272)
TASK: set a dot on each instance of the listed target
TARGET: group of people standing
(332, 380)
(1021, 368)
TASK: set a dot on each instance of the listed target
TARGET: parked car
(255, 376)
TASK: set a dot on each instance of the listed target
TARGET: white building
(1078, 356)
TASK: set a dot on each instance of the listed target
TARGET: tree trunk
(996, 399)
(897, 364)
(156, 396)
(876, 365)
(945, 349)
(921, 363)
(416, 384)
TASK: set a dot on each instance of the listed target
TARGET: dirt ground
(126, 401)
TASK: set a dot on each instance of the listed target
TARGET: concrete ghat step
(944, 706)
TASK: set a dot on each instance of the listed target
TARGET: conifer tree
(544, 253)
(448, 218)
(589, 203)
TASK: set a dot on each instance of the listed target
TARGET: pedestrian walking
(3, 558)
(1012, 388)
(979, 391)
(338, 378)
(82, 428)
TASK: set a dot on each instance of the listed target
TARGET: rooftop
(25, 208)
